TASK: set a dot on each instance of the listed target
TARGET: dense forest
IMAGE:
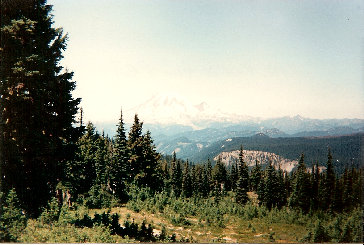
(345, 149)
(55, 170)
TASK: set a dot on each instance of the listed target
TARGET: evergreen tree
(186, 181)
(219, 173)
(81, 172)
(234, 175)
(315, 179)
(119, 169)
(261, 190)
(337, 199)
(37, 107)
(328, 184)
(150, 169)
(208, 172)
(12, 218)
(176, 176)
(281, 198)
(135, 144)
(255, 176)
(242, 186)
(347, 189)
(300, 197)
(270, 187)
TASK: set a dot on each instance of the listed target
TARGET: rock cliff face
(263, 158)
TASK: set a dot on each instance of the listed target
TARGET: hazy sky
(258, 58)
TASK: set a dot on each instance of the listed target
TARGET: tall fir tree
(234, 175)
(300, 197)
(135, 145)
(37, 107)
(150, 170)
(176, 175)
(348, 189)
(219, 173)
(186, 181)
(81, 172)
(327, 186)
(315, 180)
(255, 176)
(119, 169)
(281, 198)
(242, 186)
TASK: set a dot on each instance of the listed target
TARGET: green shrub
(99, 197)
(12, 218)
(51, 213)
(36, 232)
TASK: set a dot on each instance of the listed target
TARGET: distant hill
(346, 150)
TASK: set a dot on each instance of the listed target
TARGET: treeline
(345, 149)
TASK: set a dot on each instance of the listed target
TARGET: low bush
(12, 218)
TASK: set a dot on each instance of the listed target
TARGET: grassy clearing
(236, 230)
(192, 220)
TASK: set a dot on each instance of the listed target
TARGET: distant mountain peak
(168, 109)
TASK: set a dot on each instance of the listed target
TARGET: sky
(257, 58)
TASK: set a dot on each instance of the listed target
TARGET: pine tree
(234, 175)
(135, 144)
(150, 169)
(315, 180)
(242, 186)
(81, 172)
(348, 189)
(219, 172)
(119, 169)
(12, 218)
(186, 181)
(208, 172)
(281, 198)
(176, 176)
(328, 184)
(300, 197)
(37, 106)
(255, 176)
(337, 199)
(270, 187)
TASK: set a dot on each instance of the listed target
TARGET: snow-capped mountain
(174, 109)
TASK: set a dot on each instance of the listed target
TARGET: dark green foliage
(12, 218)
(186, 181)
(327, 185)
(144, 160)
(345, 148)
(99, 197)
(135, 144)
(271, 189)
(255, 176)
(234, 176)
(315, 180)
(176, 176)
(320, 234)
(37, 107)
(242, 186)
(119, 167)
(219, 173)
(150, 172)
(300, 197)
(89, 164)
(51, 213)
(130, 229)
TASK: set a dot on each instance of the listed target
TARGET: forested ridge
(56, 170)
